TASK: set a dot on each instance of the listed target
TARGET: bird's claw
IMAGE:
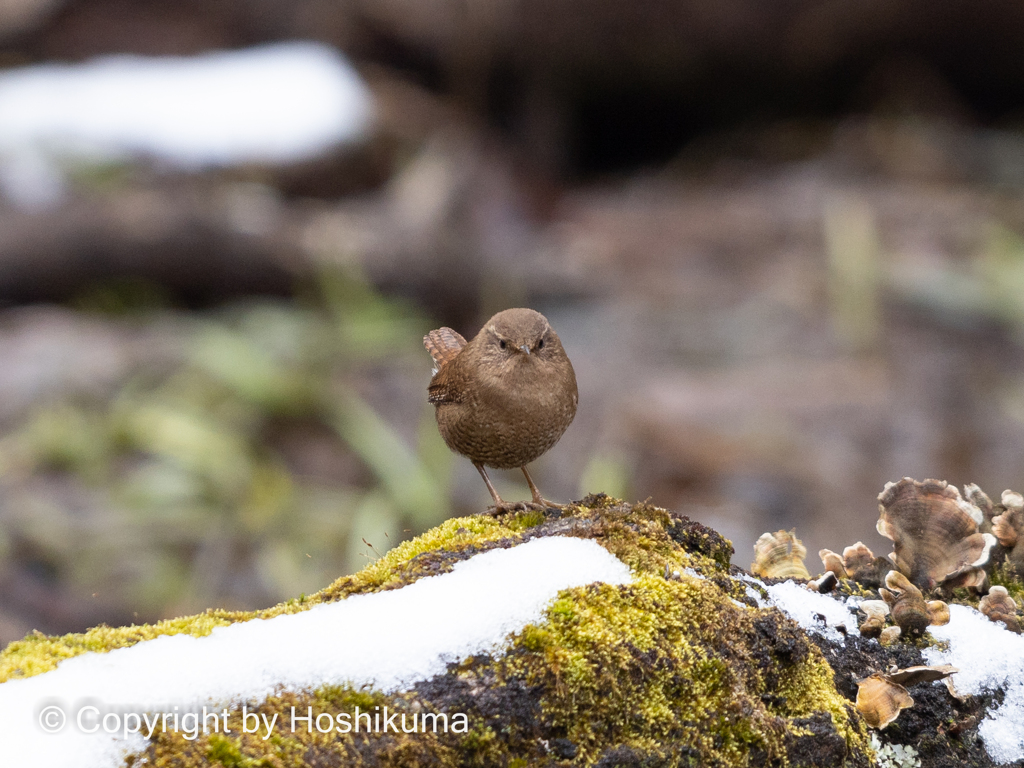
(542, 503)
(508, 507)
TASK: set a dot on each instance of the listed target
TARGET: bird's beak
(525, 348)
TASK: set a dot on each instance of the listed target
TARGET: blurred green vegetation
(606, 472)
(853, 251)
(986, 286)
(182, 491)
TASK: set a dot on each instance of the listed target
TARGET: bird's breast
(509, 421)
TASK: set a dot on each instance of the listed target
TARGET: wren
(505, 397)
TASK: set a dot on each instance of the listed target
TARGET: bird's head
(520, 332)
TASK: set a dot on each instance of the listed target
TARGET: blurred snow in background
(270, 104)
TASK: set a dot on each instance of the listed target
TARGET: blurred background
(783, 244)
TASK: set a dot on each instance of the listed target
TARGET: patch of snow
(388, 640)
(990, 658)
(274, 103)
(808, 607)
(752, 593)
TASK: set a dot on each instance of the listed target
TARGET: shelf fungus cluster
(882, 696)
(942, 541)
(937, 541)
(945, 544)
(905, 604)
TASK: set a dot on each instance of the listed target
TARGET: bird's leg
(537, 498)
(494, 494)
(500, 506)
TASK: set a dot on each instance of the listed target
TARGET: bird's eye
(502, 344)
(540, 344)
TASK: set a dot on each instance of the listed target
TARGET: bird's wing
(443, 344)
(441, 391)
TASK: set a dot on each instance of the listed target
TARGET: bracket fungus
(980, 499)
(908, 607)
(779, 555)
(882, 696)
(935, 534)
(1008, 528)
(824, 584)
(858, 563)
(880, 700)
(863, 567)
(939, 613)
(999, 606)
(889, 635)
(833, 563)
(920, 674)
(876, 612)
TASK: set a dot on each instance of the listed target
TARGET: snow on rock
(989, 658)
(274, 103)
(813, 611)
(387, 639)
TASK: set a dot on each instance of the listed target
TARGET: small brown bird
(504, 398)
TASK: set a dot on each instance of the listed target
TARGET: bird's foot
(539, 501)
(509, 507)
(545, 504)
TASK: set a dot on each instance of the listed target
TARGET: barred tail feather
(443, 344)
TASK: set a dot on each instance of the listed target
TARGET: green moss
(425, 555)
(650, 539)
(637, 534)
(808, 688)
(525, 520)
(225, 752)
(851, 588)
(482, 747)
(661, 661)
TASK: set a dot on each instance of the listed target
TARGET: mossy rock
(677, 668)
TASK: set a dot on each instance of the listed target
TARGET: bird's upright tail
(443, 344)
